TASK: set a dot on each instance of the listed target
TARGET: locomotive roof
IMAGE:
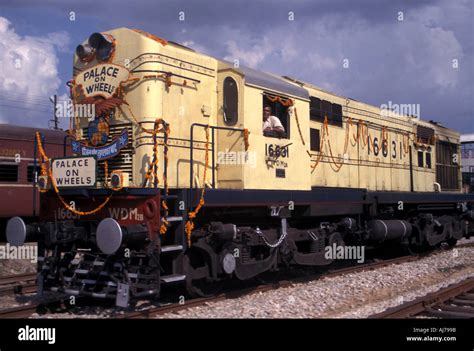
(269, 81)
(466, 138)
(272, 82)
(28, 133)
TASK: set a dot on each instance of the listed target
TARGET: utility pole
(54, 100)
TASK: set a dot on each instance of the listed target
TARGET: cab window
(276, 121)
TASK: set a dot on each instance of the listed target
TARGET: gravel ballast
(352, 295)
(355, 295)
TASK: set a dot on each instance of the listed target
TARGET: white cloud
(29, 73)
(250, 52)
(199, 48)
(415, 55)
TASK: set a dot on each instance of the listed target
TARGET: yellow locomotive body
(362, 149)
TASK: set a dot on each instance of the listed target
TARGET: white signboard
(102, 80)
(75, 172)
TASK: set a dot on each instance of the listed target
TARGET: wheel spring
(245, 254)
(316, 246)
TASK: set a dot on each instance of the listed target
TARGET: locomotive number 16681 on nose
(273, 150)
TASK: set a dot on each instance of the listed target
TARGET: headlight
(43, 182)
(103, 44)
(84, 51)
(95, 40)
(119, 179)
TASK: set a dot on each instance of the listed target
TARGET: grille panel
(124, 160)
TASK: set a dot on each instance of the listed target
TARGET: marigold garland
(191, 215)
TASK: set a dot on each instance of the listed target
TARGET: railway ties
(155, 311)
(20, 283)
(455, 301)
(457, 304)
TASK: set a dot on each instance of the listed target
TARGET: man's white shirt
(272, 122)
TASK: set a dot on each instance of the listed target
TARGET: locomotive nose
(18, 232)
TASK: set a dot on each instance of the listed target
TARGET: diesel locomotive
(174, 181)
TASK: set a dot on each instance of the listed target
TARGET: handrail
(191, 159)
(35, 174)
(35, 170)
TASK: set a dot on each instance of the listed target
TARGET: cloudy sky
(376, 51)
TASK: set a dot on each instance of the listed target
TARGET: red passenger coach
(17, 165)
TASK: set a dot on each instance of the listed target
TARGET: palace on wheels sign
(75, 172)
(101, 80)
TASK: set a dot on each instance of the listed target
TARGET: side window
(428, 160)
(336, 115)
(425, 135)
(315, 139)
(420, 158)
(320, 109)
(326, 109)
(315, 109)
(231, 101)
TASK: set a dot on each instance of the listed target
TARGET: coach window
(8, 172)
(231, 101)
(428, 160)
(30, 173)
(420, 158)
(315, 139)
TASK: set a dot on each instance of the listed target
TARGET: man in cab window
(271, 124)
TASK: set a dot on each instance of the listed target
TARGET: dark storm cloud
(409, 61)
(253, 14)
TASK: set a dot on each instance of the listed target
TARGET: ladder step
(174, 218)
(169, 248)
(81, 271)
(172, 278)
(171, 197)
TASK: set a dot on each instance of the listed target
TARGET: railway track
(454, 301)
(175, 307)
(50, 305)
(19, 312)
(19, 283)
(27, 310)
(26, 283)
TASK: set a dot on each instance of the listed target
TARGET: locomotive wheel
(335, 238)
(452, 242)
(199, 282)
